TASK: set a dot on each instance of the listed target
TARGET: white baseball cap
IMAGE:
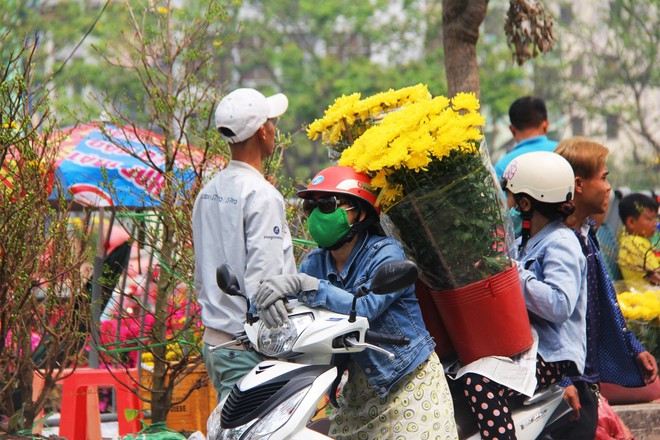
(244, 110)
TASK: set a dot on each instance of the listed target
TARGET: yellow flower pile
(414, 136)
(640, 306)
(346, 119)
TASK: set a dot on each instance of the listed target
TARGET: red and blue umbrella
(108, 166)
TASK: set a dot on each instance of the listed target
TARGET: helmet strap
(526, 217)
(526, 229)
(356, 229)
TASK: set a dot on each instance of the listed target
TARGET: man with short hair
(529, 126)
(614, 354)
(239, 219)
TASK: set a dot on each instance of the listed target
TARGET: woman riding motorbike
(403, 397)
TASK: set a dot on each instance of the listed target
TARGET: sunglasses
(326, 205)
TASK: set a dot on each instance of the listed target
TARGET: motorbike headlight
(215, 431)
(277, 417)
(274, 342)
(232, 434)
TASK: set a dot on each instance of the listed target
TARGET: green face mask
(328, 229)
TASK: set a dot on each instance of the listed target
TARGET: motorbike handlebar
(241, 339)
(383, 338)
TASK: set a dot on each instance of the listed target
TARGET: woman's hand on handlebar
(276, 314)
(281, 286)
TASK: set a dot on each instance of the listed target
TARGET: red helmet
(341, 180)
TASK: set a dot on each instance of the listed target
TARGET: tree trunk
(461, 20)
(161, 390)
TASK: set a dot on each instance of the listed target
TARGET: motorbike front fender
(267, 387)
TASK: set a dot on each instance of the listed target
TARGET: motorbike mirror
(388, 278)
(227, 281)
(393, 276)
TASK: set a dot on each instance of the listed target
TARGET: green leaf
(131, 414)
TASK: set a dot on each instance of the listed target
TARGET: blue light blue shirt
(396, 313)
(552, 271)
(539, 143)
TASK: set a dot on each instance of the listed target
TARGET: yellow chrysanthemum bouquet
(642, 312)
(440, 198)
(435, 183)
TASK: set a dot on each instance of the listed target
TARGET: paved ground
(642, 419)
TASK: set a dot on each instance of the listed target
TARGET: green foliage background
(316, 51)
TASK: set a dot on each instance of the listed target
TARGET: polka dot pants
(490, 401)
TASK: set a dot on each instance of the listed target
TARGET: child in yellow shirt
(637, 260)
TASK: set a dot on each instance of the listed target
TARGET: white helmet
(543, 175)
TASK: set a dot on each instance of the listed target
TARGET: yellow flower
(412, 137)
(399, 131)
(346, 119)
(389, 195)
(162, 10)
(11, 124)
(333, 116)
(640, 306)
(379, 180)
(465, 101)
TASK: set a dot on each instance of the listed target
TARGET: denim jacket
(553, 275)
(396, 313)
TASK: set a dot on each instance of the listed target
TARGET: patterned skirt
(419, 406)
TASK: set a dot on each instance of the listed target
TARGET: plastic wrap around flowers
(436, 186)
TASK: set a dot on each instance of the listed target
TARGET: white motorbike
(279, 397)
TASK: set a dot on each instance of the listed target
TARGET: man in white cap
(239, 219)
